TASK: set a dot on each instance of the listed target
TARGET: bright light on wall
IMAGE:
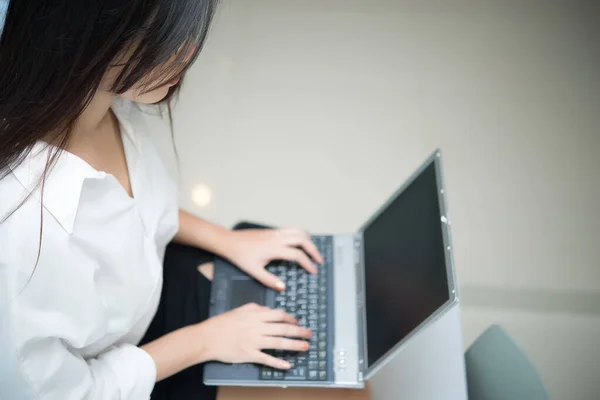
(201, 195)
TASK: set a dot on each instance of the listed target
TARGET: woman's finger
(270, 361)
(309, 247)
(287, 330)
(268, 279)
(281, 343)
(303, 240)
(277, 316)
(292, 254)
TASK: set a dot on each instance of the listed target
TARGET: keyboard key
(322, 335)
(322, 364)
(278, 375)
(313, 364)
(322, 354)
(322, 375)
(301, 361)
(312, 374)
(266, 374)
(312, 355)
(298, 373)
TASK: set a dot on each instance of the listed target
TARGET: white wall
(311, 113)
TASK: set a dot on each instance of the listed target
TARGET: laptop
(377, 289)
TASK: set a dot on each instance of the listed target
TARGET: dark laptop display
(405, 265)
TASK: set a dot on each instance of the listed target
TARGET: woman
(87, 211)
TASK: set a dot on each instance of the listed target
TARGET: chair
(498, 369)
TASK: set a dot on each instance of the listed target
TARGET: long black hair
(55, 53)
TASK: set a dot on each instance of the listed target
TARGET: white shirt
(70, 332)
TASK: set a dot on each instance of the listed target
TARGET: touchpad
(246, 290)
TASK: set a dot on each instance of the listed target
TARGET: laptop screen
(405, 266)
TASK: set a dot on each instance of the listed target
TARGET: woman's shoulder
(21, 233)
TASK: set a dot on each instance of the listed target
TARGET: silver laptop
(377, 289)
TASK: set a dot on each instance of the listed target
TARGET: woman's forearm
(177, 351)
(194, 231)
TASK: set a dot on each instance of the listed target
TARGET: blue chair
(498, 369)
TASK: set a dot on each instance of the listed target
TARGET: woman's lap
(184, 301)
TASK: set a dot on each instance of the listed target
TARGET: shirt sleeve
(133, 369)
(48, 369)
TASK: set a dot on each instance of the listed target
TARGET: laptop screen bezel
(450, 271)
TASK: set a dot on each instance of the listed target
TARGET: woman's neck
(95, 116)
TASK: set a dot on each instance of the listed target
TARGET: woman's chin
(152, 97)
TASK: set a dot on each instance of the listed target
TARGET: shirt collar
(63, 183)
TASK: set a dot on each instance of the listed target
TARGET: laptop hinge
(360, 290)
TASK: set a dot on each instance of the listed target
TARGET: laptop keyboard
(306, 298)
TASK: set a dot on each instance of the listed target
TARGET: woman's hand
(252, 249)
(240, 335)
